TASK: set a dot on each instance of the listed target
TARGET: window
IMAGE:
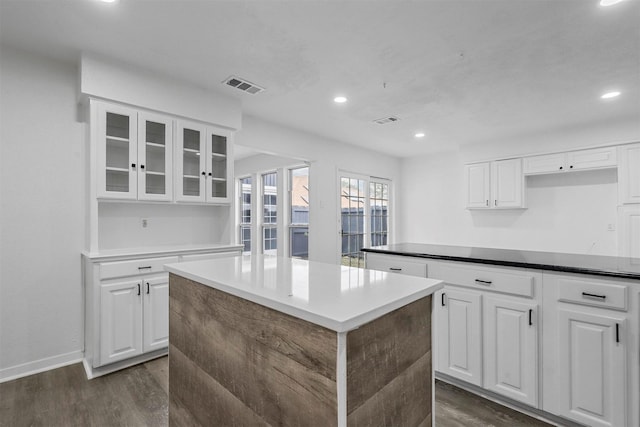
(245, 213)
(379, 208)
(299, 212)
(269, 212)
(364, 216)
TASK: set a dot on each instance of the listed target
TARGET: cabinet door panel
(117, 151)
(459, 335)
(629, 174)
(155, 154)
(218, 166)
(478, 185)
(120, 321)
(511, 349)
(190, 162)
(156, 313)
(592, 366)
(507, 183)
(592, 159)
(548, 163)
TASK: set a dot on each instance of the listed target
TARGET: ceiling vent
(243, 85)
(385, 120)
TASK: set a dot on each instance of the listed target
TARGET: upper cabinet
(135, 157)
(203, 163)
(597, 158)
(629, 174)
(495, 185)
(134, 154)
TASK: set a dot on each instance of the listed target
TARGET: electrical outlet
(611, 227)
(145, 222)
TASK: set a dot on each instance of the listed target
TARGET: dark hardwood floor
(137, 396)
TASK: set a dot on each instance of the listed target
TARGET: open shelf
(114, 169)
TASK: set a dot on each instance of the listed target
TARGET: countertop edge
(565, 269)
(159, 251)
(339, 326)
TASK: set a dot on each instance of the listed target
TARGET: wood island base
(233, 362)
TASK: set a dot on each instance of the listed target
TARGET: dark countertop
(628, 268)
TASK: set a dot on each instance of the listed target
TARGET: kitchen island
(276, 341)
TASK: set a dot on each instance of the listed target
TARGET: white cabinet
(155, 331)
(120, 321)
(629, 174)
(591, 349)
(629, 232)
(495, 185)
(133, 153)
(592, 368)
(596, 158)
(459, 334)
(204, 168)
(478, 184)
(396, 264)
(134, 317)
(510, 335)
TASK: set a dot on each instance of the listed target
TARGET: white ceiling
(463, 71)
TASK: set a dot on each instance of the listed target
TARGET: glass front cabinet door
(155, 155)
(117, 152)
(134, 154)
(203, 166)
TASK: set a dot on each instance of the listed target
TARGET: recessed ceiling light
(419, 135)
(109, 1)
(340, 99)
(609, 2)
(609, 95)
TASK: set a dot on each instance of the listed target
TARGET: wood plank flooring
(137, 396)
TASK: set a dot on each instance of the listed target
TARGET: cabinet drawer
(134, 267)
(592, 292)
(200, 257)
(396, 264)
(488, 278)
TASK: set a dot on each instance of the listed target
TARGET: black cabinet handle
(588, 295)
(495, 202)
(487, 202)
(560, 167)
(203, 173)
(141, 166)
(395, 269)
(133, 165)
(210, 174)
(138, 288)
(147, 287)
(148, 267)
(484, 282)
(443, 299)
(530, 317)
(617, 332)
(571, 167)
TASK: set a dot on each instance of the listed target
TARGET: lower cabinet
(459, 334)
(511, 348)
(127, 308)
(134, 317)
(592, 368)
(591, 349)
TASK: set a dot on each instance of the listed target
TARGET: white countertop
(160, 250)
(336, 297)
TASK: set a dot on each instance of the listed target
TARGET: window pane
(378, 205)
(299, 212)
(245, 213)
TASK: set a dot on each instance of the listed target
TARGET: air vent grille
(386, 120)
(243, 85)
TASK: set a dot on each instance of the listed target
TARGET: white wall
(120, 225)
(326, 157)
(566, 212)
(41, 213)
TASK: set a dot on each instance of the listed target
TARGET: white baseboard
(107, 369)
(37, 366)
